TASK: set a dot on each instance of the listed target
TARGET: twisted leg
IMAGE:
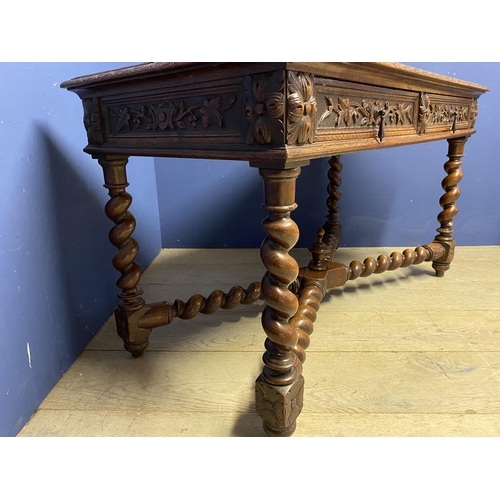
(310, 298)
(447, 202)
(163, 313)
(279, 389)
(391, 262)
(332, 226)
(130, 298)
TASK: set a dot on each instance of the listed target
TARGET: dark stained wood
(310, 296)
(277, 116)
(452, 192)
(163, 313)
(332, 226)
(120, 235)
(270, 111)
(280, 360)
(391, 262)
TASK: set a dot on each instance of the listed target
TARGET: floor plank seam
(393, 356)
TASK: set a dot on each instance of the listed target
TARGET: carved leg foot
(136, 348)
(135, 339)
(279, 406)
(279, 390)
(452, 192)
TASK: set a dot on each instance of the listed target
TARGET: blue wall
(56, 279)
(389, 197)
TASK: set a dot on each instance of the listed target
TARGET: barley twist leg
(332, 226)
(448, 202)
(130, 298)
(310, 298)
(279, 389)
(391, 262)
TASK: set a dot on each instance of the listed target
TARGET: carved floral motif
(423, 112)
(172, 115)
(441, 113)
(302, 108)
(473, 113)
(265, 107)
(367, 113)
(92, 121)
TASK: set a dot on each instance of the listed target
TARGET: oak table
(276, 116)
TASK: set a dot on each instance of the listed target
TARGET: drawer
(353, 111)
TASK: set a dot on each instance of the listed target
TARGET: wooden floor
(398, 354)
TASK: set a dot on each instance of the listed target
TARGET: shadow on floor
(249, 425)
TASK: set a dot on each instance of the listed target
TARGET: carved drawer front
(173, 118)
(352, 111)
(442, 113)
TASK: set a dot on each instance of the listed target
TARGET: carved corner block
(301, 108)
(265, 107)
(473, 111)
(280, 108)
(92, 121)
(442, 263)
(279, 406)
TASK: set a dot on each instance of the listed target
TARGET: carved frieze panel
(442, 112)
(342, 111)
(366, 113)
(264, 107)
(170, 114)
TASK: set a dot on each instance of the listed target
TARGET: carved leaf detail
(473, 113)
(123, 118)
(441, 114)
(262, 131)
(347, 113)
(211, 110)
(92, 121)
(172, 114)
(423, 113)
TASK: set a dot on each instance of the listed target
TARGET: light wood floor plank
(80, 423)
(239, 330)
(364, 382)
(397, 354)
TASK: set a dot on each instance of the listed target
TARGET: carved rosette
(264, 107)
(170, 114)
(301, 108)
(92, 121)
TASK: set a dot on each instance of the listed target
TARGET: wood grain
(77, 423)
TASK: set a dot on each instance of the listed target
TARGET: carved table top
(270, 112)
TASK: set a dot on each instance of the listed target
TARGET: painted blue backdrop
(56, 280)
